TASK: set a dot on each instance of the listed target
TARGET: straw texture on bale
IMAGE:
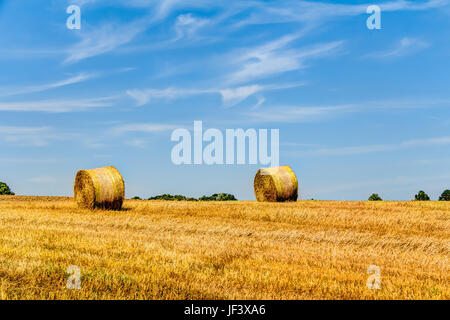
(102, 188)
(276, 184)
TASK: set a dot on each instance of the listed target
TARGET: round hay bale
(102, 188)
(276, 184)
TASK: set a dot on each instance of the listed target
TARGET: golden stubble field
(229, 250)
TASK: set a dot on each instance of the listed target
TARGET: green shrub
(136, 198)
(218, 197)
(214, 197)
(5, 190)
(422, 196)
(445, 196)
(375, 197)
(170, 197)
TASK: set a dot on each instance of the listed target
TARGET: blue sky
(359, 111)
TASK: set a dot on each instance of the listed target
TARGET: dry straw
(99, 188)
(276, 184)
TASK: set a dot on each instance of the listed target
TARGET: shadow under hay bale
(101, 188)
(276, 184)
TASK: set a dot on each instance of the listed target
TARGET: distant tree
(177, 197)
(170, 197)
(5, 190)
(136, 198)
(225, 197)
(445, 196)
(422, 196)
(162, 197)
(218, 197)
(375, 197)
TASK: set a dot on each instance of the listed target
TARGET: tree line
(214, 197)
(420, 196)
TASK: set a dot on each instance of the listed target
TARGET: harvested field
(224, 250)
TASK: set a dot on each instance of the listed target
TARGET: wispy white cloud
(186, 26)
(4, 92)
(137, 143)
(28, 136)
(101, 39)
(346, 151)
(44, 135)
(276, 57)
(142, 127)
(311, 13)
(43, 179)
(410, 103)
(233, 96)
(144, 96)
(12, 130)
(295, 114)
(413, 5)
(82, 2)
(358, 150)
(299, 114)
(278, 11)
(297, 144)
(161, 9)
(230, 96)
(406, 46)
(28, 160)
(23, 53)
(261, 100)
(426, 142)
(58, 106)
(105, 38)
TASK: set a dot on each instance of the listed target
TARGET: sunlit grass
(224, 250)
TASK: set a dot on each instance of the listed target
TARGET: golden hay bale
(276, 184)
(99, 188)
